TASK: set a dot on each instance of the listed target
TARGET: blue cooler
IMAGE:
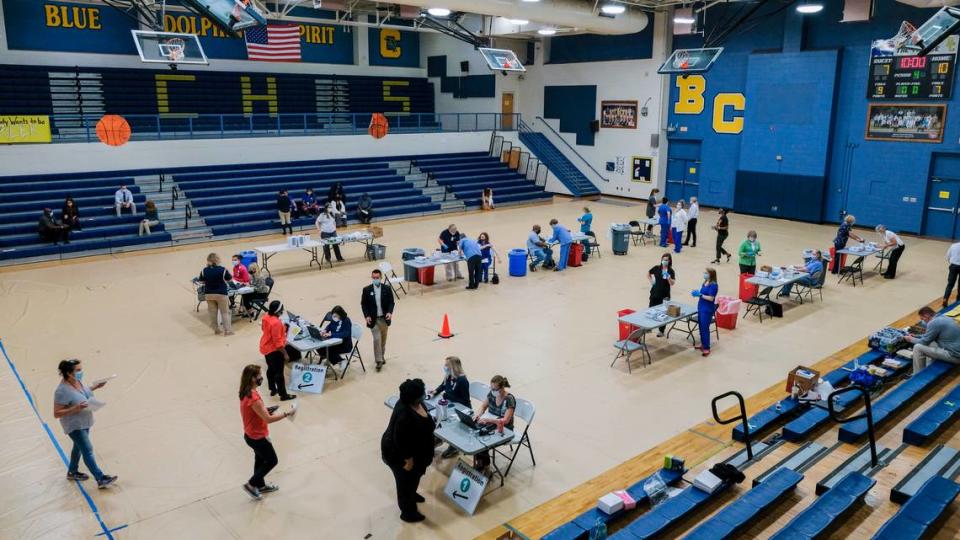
(518, 262)
(248, 257)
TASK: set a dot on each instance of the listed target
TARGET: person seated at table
(661, 278)
(748, 252)
(70, 214)
(51, 230)
(813, 266)
(449, 241)
(941, 341)
(240, 273)
(454, 388)
(338, 207)
(339, 327)
(562, 236)
(539, 250)
(498, 410)
(327, 227)
(365, 209)
(260, 290)
(309, 205)
(892, 241)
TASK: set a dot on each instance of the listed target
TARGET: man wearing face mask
(813, 266)
(376, 301)
(240, 272)
(661, 278)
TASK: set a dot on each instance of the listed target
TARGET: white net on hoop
(681, 60)
(172, 49)
(902, 43)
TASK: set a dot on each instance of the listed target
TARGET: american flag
(273, 43)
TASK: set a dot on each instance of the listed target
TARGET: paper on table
(94, 404)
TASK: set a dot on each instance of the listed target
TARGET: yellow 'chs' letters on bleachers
(389, 43)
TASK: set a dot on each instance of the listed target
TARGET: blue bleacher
(895, 400)
(741, 512)
(668, 513)
(817, 519)
(933, 420)
(579, 527)
(919, 514)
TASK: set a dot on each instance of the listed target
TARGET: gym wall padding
(596, 48)
(575, 107)
(463, 87)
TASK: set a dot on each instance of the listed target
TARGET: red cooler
(625, 328)
(747, 290)
(576, 254)
(426, 275)
(833, 257)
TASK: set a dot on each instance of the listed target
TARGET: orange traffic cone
(445, 328)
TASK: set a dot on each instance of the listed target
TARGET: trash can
(747, 290)
(517, 262)
(576, 255)
(621, 238)
(248, 257)
(376, 252)
(625, 328)
(425, 275)
(728, 311)
(409, 273)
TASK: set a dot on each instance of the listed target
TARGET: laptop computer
(467, 419)
(315, 332)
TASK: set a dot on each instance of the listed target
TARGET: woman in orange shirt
(256, 417)
(274, 348)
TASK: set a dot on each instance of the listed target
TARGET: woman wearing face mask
(498, 409)
(661, 278)
(256, 434)
(338, 327)
(327, 227)
(706, 306)
(723, 231)
(407, 447)
(749, 251)
(678, 224)
(454, 388)
(71, 402)
(240, 273)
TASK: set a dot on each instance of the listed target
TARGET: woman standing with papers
(73, 405)
(256, 434)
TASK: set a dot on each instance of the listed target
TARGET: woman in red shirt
(240, 272)
(255, 432)
(274, 348)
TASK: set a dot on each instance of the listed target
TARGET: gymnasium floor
(171, 429)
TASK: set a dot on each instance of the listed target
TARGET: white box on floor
(707, 481)
(610, 503)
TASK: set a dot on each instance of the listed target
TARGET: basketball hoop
(903, 42)
(173, 49)
(681, 60)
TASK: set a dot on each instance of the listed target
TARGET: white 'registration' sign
(465, 487)
(307, 378)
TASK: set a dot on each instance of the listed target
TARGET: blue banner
(392, 47)
(67, 27)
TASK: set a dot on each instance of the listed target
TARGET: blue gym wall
(805, 87)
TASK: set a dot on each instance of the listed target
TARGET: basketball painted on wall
(378, 126)
(113, 130)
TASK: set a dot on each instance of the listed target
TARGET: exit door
(683, 170)
(941, 219)
(506, 109)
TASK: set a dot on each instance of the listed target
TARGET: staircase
(185, 226)
(421, 181)
(557, 163)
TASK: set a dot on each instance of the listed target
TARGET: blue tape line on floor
(108, 532)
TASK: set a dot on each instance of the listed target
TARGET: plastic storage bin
(425, 275)
(517, 262)
(625, 328)
(411, 274)
(833, 257)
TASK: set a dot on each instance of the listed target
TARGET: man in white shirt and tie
(123, 199)
(376, 301)
(953, 257)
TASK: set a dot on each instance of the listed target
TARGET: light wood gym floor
(171, 429)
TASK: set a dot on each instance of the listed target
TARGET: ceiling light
(518, 21)
(680, 19)
(810, 7)
(529, 0)
(613, 9)
(547, 31)
(439, 12)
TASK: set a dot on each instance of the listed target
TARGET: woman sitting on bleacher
(309, 205)
(51, 230)
(338, 208)
(152, 218)
(260, 290)
(498, 409)
(70, 214)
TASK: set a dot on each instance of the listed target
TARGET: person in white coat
(678, 224)
(692, 214)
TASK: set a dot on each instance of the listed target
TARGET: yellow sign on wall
(944, 194)
(24, 129)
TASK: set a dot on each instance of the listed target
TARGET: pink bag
(628, 502)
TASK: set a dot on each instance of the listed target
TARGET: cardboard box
(766, 268)
(673, 310)
(803, 377)
(376, 231)
(610, 503)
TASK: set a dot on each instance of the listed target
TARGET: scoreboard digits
(911, 77)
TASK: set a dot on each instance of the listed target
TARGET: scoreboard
(911, 77)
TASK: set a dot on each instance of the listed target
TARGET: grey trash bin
(621, 238)
(409, 273)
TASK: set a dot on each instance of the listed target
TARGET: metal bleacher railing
(82, 128)
(554, 137)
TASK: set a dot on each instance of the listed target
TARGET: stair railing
(187, 214)
(867, 414)
(175, 194)
(161, 182)
(742, 417)
(556, 135)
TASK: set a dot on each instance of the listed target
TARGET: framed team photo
(908, 122)
(618, 114)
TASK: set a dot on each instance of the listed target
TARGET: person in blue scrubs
(586, 221)
(706, 306)
(561, 234)
(470, 250)
(665, 217)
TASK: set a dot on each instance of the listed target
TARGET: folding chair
(883, 256)
(259, 306)
(802, 291)
(852, 272)
(758, 303)
(479, 390)
(392, 278)
(592, 243)
(524, 411)
(637, 234)
(356, 333)
(637, 340)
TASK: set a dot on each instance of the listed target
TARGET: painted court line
(106, 531)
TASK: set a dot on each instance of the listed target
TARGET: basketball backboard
(502, 59)
(935, 30)
(168, 47)
(686, 61)
(231, 16)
